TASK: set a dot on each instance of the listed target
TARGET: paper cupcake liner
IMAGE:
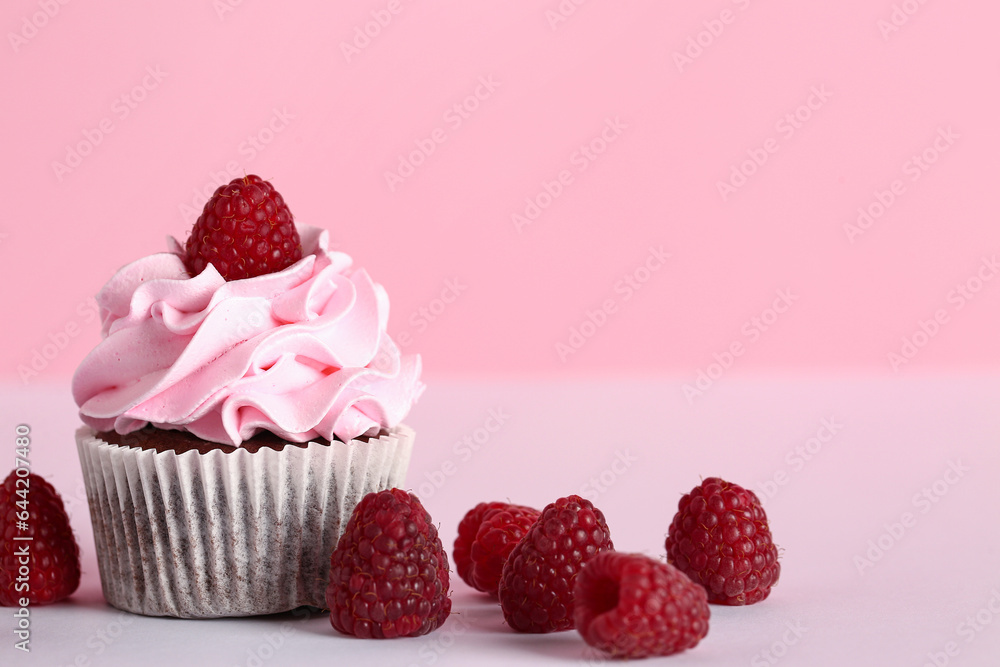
(227, 534)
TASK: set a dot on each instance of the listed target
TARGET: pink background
(190, 91)
(328, 124)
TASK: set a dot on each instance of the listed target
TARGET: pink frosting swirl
(302, 353)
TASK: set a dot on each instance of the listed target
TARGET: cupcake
(244, 397)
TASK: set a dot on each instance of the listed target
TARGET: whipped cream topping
(302, 353)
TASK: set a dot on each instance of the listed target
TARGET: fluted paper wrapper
(227, 534)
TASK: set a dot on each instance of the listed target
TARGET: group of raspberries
(550, 570)
(555, 569)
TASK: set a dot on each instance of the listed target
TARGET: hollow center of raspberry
(603, 596)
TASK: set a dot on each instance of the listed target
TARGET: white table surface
(934, 590)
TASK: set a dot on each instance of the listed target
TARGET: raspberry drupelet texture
(486, 536)
(721, 539)
(30, 507)
(467, 529)
(245, 230)
(632, 606)
(389, 572)
(536, 586)
(498, 534)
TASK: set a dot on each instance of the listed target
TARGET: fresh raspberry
(30, 507)
(245, 230)
(486, 536)
(467, 529)
(720, 538)
(536, 587)
(389, 572)
(633, 606)
(497, 536)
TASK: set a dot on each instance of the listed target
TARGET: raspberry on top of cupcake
(253, 325)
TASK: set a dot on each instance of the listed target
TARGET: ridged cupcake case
(237, 533)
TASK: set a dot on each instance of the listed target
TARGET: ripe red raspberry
(633, 606)
(467, 529)
(720, 538)
(389, 572)
(481, 552)
(497, 536)
(245, 230)
(30, 507)
(536, 587)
